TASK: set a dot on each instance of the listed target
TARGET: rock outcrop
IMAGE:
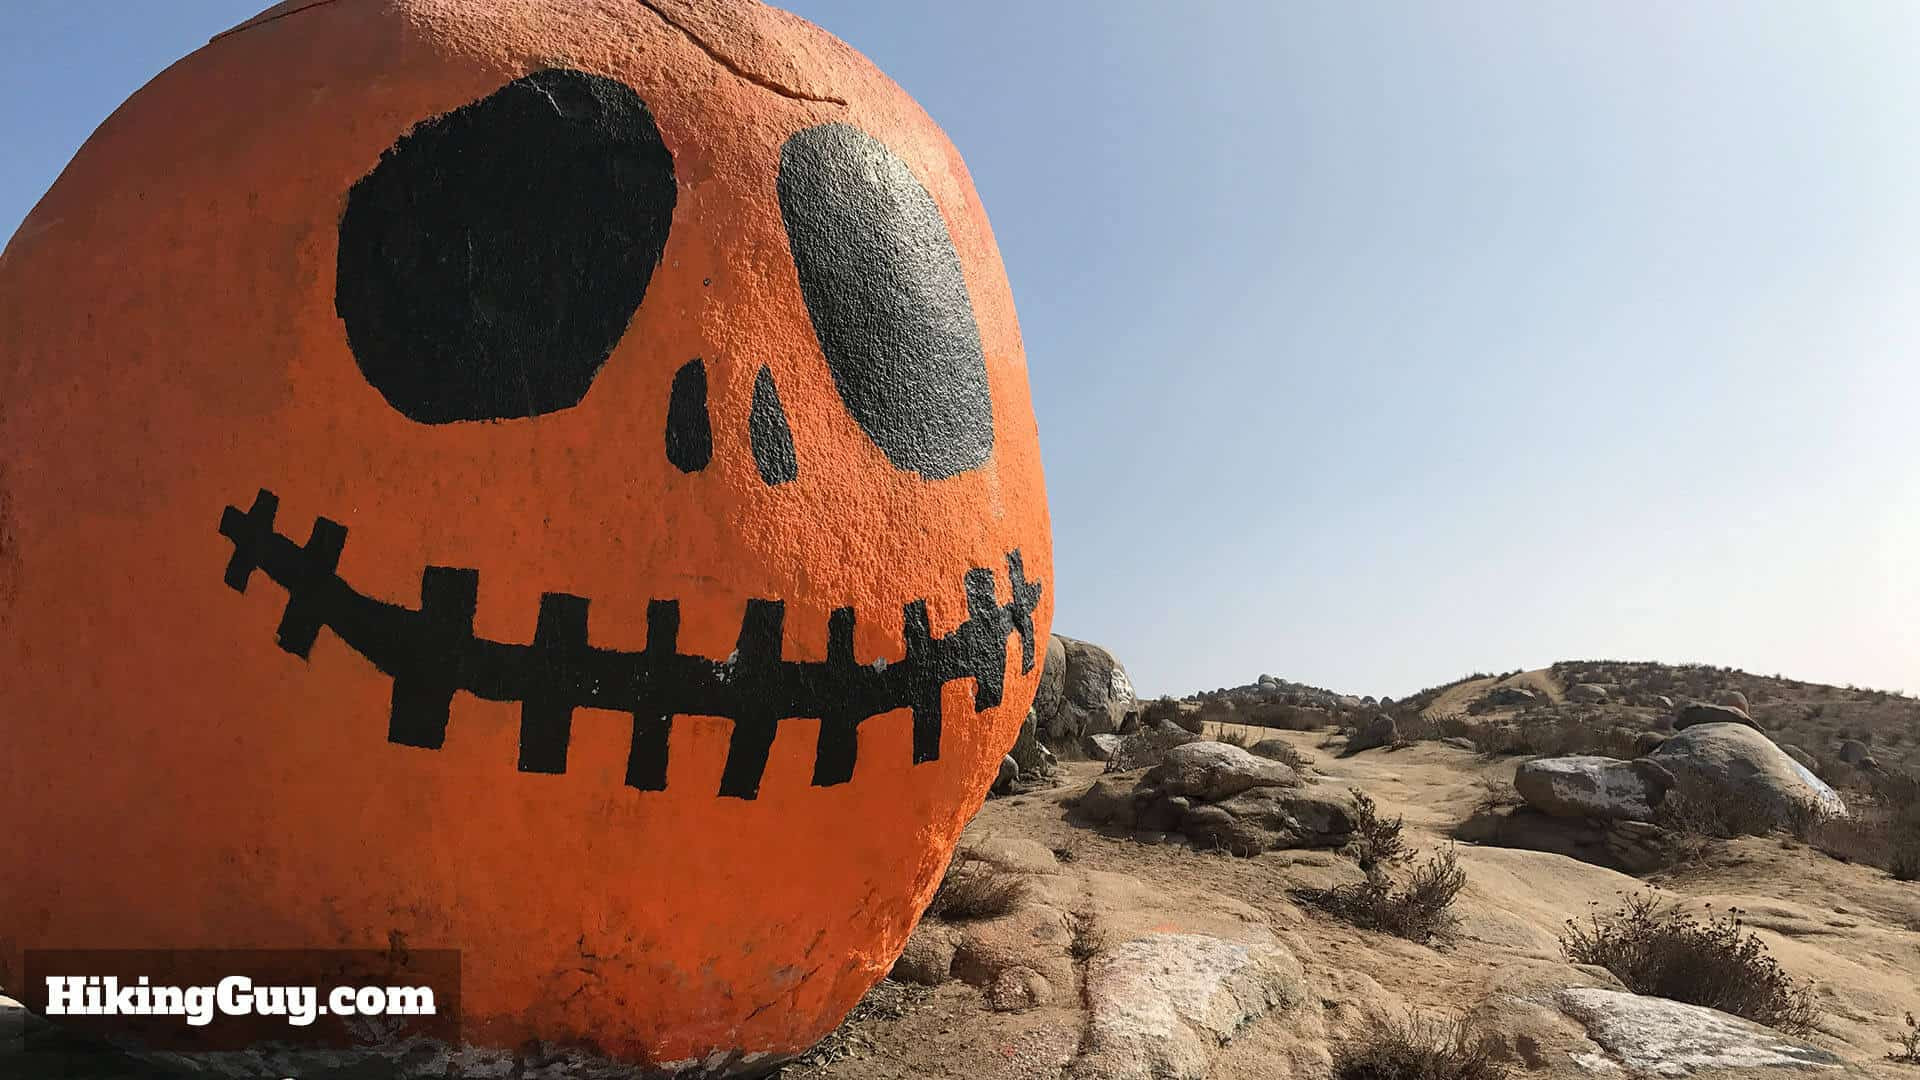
(1700, 712)
(1220, 796)
(1657, 1037)
(1730, 756)
(1593, 787)
(1380, 731)
(1083, 691)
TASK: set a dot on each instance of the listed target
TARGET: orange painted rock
(555, 480)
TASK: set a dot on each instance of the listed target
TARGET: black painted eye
(888, 302)
(493, 258)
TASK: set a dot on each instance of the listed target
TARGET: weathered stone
(1647, 742)
(1009, 772)
(1379, 731)
(1018, 988)
(1158, 1005)
(928, 958)
(1853, 751)
(1275, 749)
(1588, 694)
(1735, 699)
(1211, 771)
(1650, 1035)
(1083, 691)
(1147, 747)
(1593, 787)
(1459, 742)
(1806, 760)
(1736, 757)
(1273, 818)
(1106, 802)
(1099, 747)
(1163, 814)
(1701, 713)
(1504, 697)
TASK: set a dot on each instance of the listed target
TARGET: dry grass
(1717, 963)
(1418, 1049)
(975, 889)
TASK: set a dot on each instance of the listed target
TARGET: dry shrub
(1416, 910)
(1722, 811)
(1717, 963)
(1234, 737)
(1909, 1052)
(1286, 755)
(1418, 1049)
(1496, 795)
(976, 889)
(1883, 829)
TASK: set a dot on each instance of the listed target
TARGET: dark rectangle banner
(207, 1000)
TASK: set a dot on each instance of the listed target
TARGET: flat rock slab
(1159, 1005)
(1658, 1037)
(1593, 787)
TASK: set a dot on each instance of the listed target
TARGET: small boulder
(1700, 712)
(1106, 802)
(1647, 742)
(1147, 747)
(1009, 773)
(1853, 752)
(1100, 747)
(1734, 698)
(1212, 771)
(1083, 690)
(1372, 734)
(1806, 760)
(1273, 818)
(1275, 748)
(1589, 694)
(1512, 697)
(1593, 787)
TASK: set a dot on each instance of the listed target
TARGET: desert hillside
(1224, 895)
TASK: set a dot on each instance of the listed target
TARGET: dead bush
(1232, 737)
(975, 889)
(1717, 963)
(1376, 841)
(1909, 1052)
(1418, 910)
(1419, 1049)
(1722, 811)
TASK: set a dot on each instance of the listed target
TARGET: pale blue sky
(1374, 343)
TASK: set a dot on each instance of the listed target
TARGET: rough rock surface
(1083, 691)
(1589, 693)
(1100, 747)
(1806, 760)
(1740, 757)
(1147, 747)
(1277, 749)
(1212, 771)
(1650, 1035)
(1377, 732)
(1702, 713)
(1853, 752)
(1159, 1005)
(1593, 787)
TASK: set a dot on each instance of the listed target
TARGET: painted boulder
(551, 480)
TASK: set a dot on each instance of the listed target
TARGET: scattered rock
(1459, 742)
(1099, 747)
(1377, 732)
(1735, 756)
(1589, 694)
(1650, 1035)
(1158, 1005)
(1009, 772)
(1271, 819)
(1702, 713)
(1275, 748)
(1147, 747)
(1853, 752)
(1083, 691)
(1106, 802)
(1182, 714)
(1593, 787)
(1037, 763)
(1212, 771)
(1648, 741)
(1734, 698)
(1018, 988)
(1806, 760)
(1507, 697)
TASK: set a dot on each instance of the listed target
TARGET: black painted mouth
(432, 652)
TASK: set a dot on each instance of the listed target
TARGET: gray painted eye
(889, 304)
